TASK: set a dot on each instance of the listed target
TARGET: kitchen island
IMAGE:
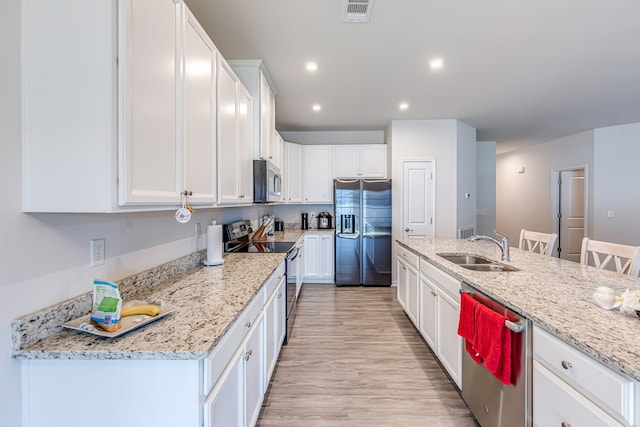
(581, 362)
(555, 294)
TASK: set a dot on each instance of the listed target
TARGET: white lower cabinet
(224, 389)
(275, 329)
(407, 264)
(570, 388)
(431, 299)
(318, 257)
(439, 310)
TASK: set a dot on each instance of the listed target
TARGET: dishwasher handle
(517, 327)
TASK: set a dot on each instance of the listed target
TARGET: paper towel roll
(214, 245)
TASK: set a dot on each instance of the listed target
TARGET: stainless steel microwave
(267, 182)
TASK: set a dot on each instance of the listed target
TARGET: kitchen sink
(476, 263)
(465, 259)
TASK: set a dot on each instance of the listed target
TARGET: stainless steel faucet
(504, 245)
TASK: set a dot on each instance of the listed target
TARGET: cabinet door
(428, 313)
(412, 303)
(199, 113)
(281, 316)
(311, 254)
(402, 283)
(373, 161)
(253, 372)
(267, 119)
(245, 156)
(225, 404)
(149, 169)
(347, 162)
(227, 136)
(293, 172)
(318, 177)
(327, 257)
(449, 345)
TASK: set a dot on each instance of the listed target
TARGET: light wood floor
(355, 360)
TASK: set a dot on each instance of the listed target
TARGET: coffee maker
(324, 220)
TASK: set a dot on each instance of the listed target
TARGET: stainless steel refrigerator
(363, 232)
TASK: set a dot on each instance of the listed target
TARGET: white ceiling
(521, 72)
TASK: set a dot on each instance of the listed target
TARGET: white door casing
(418, 199)
(569, 212)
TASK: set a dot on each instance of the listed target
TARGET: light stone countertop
(208, 300)
(555, 294)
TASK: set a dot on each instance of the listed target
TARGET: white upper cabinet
(318, 174)
(149, 154)
(292, 173)
(234, 135)
(361, 161)
(255, 77)
(200, 59)
(124, 118)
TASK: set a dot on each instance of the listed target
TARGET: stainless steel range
(237, 239)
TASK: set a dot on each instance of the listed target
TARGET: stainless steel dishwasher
(493, 403)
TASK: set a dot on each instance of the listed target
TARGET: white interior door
(571, 214)
(417, 200)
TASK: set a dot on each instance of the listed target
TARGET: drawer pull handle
(565, 424)
(248, 324)
(566, 365)
(247, 355)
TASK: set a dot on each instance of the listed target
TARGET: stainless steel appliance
(493, 403)
(236, 237)
(267, 182)
(324, 220)
(363, 232)
(295, 265)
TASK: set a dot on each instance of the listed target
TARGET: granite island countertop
(555, 294)
(207, 299)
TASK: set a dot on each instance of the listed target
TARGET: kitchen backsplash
(33, 327)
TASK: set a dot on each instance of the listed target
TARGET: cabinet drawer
(614, 392)
(408, 256)
(274, 280)
(555, 403)
(447, 283)
(224, 350)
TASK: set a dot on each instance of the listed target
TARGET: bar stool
(534, 241)
(625, 257)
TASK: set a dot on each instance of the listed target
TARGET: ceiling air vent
(358, 10)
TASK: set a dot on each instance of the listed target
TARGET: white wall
(466, 176)
(44, 258)
(451, 144)
(486, 187)
(616, 179)
(524, 200)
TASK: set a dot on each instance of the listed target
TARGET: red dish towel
(467, 324)
(467, 321)
(493, 343)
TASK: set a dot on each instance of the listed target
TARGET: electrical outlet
(97, 252)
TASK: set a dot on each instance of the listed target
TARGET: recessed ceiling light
(436, 63)
(316, 107)
(403, 105)
(311, 66)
